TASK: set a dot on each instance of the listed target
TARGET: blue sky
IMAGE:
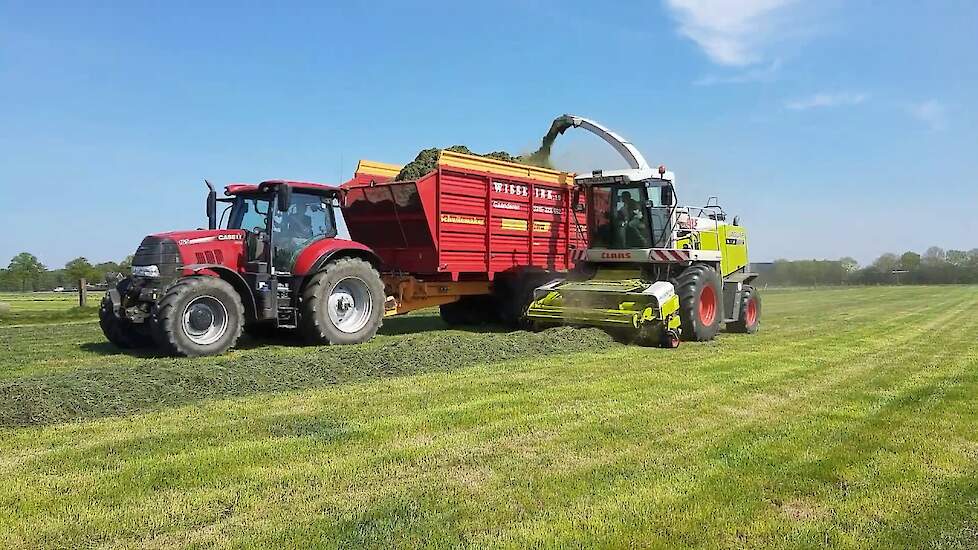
(832, 128)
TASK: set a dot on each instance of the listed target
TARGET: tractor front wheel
(122, 333)
(343, 303)
(198, 316)
(700, 309)
(750, 312)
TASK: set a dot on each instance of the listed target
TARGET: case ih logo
(616, 255)
(232, 237)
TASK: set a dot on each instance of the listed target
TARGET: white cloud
(827, 100)
(766, 73)
(730, 32)
(933, 113)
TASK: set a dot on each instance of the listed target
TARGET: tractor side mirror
(283, 197)
(211, 206)
(668, 197)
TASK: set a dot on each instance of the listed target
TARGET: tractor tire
(750, 312)
(122, 333)
(198, 316)
(700, 307)
(342, 304)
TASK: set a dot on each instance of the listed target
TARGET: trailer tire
(700, 306)
(750, 312)
(198, 315)
(515, 296)
(327, 300)
(122, 333)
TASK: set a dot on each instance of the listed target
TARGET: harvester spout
(638, 167)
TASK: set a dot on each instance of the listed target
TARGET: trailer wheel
(469, 310)
(198, 316)
(343, 303)
(122, 333)
(750, 312)
(700, 308)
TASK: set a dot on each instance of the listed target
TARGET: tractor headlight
(150, 271)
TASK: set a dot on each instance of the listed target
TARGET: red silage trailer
(474, 236)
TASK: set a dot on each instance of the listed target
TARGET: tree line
(934, 266)
(26, 273)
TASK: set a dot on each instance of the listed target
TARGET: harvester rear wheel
(343, 303)
(198, 316)
(700, 308)
(750, 312)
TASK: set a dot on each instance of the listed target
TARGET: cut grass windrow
(109, 390)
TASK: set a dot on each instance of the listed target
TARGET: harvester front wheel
(198, 316)
(700, 308)
(750, 312)
(343, 303)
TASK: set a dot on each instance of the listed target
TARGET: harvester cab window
(621, 217)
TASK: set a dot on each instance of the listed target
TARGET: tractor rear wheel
(343, 303)
(750, 312)
(700, 309)
(198, 316)
(122, 333)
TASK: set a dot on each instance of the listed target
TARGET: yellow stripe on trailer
(451, 159)
(375, 168)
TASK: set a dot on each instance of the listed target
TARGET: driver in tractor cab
(297, 228)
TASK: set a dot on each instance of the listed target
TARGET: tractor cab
(280, 219)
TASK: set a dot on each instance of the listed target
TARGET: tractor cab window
(309, 218)
(249, 213)
(620, 217)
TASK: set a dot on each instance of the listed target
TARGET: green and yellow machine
(654, 271)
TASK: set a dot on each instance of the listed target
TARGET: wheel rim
(708, 305)
(205, 320)
(751, 311)
(349, 305)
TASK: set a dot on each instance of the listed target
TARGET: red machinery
(475, 237)
(463, 226)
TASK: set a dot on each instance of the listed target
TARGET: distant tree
(80, 268)
(886, 262)
(125, 266)
(957, 258)
(910, 261)
(26, 268)
(849, 265)
(934, 255)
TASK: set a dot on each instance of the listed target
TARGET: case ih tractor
(192, 293)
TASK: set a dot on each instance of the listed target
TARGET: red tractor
(276, 263)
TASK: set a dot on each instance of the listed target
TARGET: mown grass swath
(848, 421)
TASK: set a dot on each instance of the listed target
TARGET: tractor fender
(319, 253)
(231, 277)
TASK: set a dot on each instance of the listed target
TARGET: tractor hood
(175, 249)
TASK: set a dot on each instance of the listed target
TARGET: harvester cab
(653, 270)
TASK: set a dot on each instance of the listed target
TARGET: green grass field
(32, 308)
(850, 420)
